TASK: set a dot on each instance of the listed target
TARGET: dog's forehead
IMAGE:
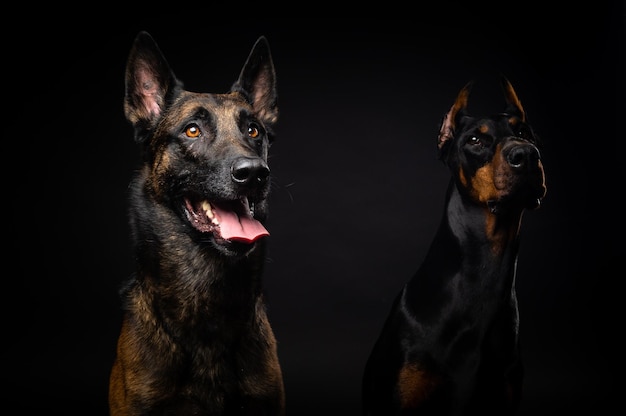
(189, 102)
(495, 125)
(219, 106)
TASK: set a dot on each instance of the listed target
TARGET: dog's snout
(250, 171)
(524, 155)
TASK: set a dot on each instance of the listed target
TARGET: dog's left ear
(257, 82)
(514, 105)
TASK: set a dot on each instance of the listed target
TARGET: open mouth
(229, 220)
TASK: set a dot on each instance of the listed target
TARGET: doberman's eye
(474, 140)
(525, 133)
(192, 131)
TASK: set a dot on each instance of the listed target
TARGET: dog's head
(495, 160)
(205, 155)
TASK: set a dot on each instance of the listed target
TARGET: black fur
(450, 345)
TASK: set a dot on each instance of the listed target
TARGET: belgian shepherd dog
(195, 337)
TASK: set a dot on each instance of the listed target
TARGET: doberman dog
(195, 337)
(450, 345)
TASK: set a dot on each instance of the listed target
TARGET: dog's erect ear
(446, 132)
(514, 105)
(257, 81)
(150, 83)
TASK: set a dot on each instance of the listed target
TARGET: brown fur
(195, 337)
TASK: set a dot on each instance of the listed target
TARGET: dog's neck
(215, 300)
(202, 288)
(464, 252)
(462, 259)
(478, 228)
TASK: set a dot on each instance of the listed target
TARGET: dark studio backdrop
(357, 188)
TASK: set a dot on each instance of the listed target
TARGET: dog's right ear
(150, 84)
(446, 131)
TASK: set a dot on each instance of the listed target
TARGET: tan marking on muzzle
(483, 186)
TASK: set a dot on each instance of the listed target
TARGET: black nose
(250, 171)
(524, 155)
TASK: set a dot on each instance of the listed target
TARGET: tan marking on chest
(415, 386)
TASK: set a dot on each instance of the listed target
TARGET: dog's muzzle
(524, 161)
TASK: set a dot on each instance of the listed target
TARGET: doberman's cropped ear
(514, 105)
(150, 84)
(446, 131)
(257, 82)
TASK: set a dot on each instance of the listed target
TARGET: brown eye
(192, 131)
(253, 131)
(525, 133)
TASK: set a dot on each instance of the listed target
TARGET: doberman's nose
(250, 171)
(523, 155)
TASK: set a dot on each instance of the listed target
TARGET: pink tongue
(242, 228)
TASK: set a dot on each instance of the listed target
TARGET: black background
(357, 188)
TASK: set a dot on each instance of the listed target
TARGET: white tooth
(207, 209)
(209, 212)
